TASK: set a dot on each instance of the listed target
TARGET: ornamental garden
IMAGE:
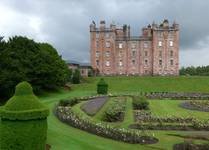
(44, 105)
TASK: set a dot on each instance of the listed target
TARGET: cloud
(65, 23)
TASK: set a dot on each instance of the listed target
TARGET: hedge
(23, 124)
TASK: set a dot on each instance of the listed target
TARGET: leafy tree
(76, 77)
(22, 59)
(195, 71)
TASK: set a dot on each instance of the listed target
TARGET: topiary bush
(140, 102)
(102, 87)
(23, 124)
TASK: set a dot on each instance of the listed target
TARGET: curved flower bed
(196, 105)
(65, 114)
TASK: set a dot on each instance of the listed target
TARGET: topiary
(102, 87)
(23, 124)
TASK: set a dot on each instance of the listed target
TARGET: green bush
(76, 77)
(115, 112)
(70, 102)
(22, 59)
(140, 102)
(23, 124)
(102, 87)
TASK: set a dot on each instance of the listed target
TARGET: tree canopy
(22, 59)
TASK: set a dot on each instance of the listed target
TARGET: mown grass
(129, 116)
(63, 137)
(169, 108)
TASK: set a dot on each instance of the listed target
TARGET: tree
(22, 59)
(76, 77)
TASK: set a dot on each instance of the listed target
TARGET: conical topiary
(102, 87)
(23, 121)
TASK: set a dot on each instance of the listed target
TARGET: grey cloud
(65, 23)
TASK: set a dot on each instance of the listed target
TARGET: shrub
(76, 77)
(140, 102)
(102, 87)
(23, 124)
(70, 102)
(115, 112)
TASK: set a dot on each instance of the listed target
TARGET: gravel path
(91, 107)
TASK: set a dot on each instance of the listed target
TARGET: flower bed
(190, 146)
(116, 111)
(65, 114)
(196, 105)
(91, 107)
(177, 95)
(146, 116)
(195, 125)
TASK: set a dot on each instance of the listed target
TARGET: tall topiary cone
(102, 87)
(23, 123)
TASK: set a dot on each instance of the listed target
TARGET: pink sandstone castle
(114, 51)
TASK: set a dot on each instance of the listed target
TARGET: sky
(65, 23)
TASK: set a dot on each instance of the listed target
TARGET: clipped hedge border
(24, 115)
(65, 114)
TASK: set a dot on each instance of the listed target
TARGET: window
(160, 62)
(107, 63)
(107, 35)
(107, 53)
(133, 45)
(133, 61)
(146, 62)
(171, 53)
(120, 45)
(171, 43)
(120, 63)
(145, 53)
(120, 53)
(97, 62)
(107, 44)
(145, 45)
(133, 53)
(97, 53)
(160, 34)
(160, 53)
(171, 62)
(97, 35)
(97, 44)
(160, 43)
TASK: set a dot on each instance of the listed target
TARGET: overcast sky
(65, 23)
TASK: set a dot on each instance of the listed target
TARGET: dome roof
(24, 104)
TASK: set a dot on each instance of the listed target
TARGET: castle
(114, 51)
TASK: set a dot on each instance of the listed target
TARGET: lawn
(63, 137)
(168, 108)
